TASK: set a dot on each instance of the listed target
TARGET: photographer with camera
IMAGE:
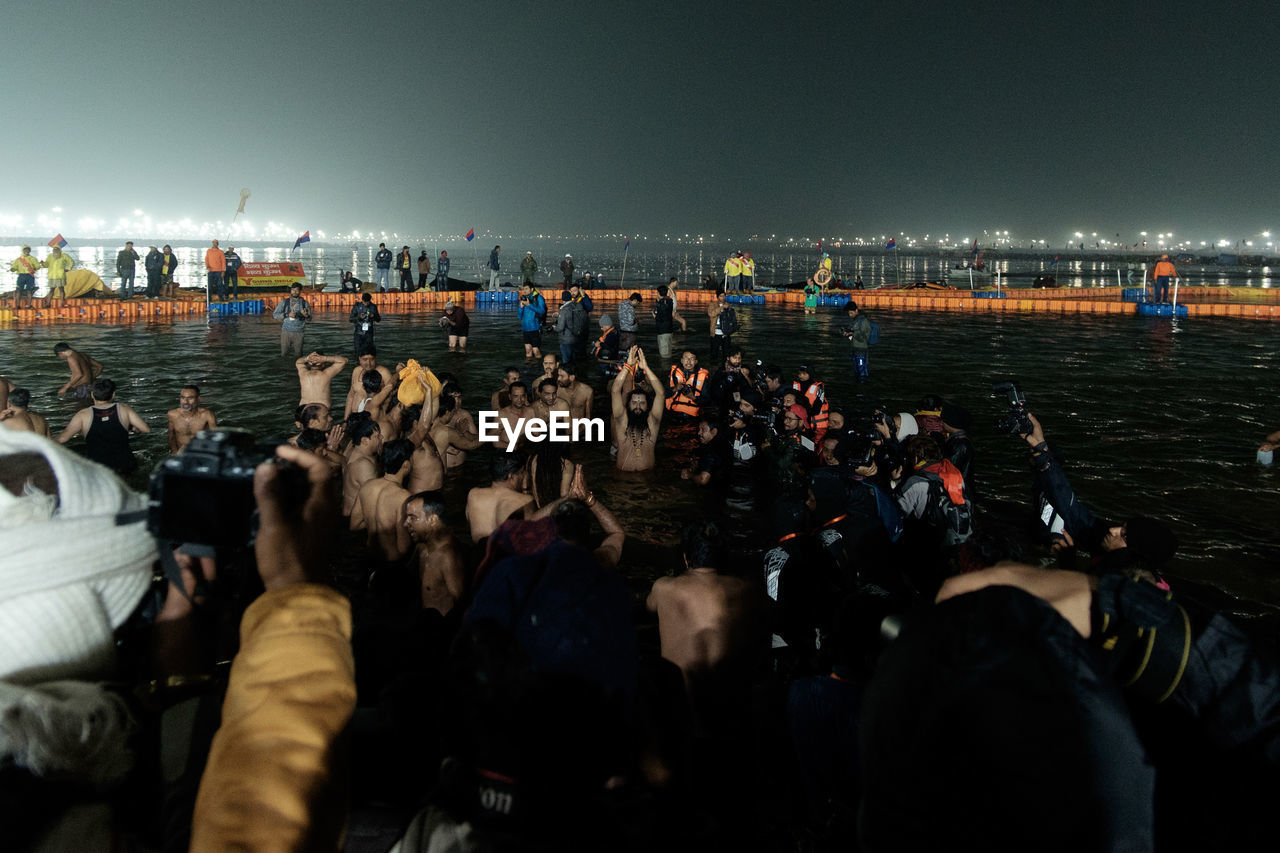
(858, 333)
(1141, 545)
(685, 385)
(533, 312)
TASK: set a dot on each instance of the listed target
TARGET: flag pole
(625, 250)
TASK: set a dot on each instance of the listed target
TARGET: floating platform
(1192, 302)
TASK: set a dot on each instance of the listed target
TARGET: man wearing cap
(528, 268)
(382, 266)
(1163, 271)
(232, 275)
(566, 267)
(457, 325)
(859, 337)
(404, 264)
(25, 265)
(215, 261)
(606, 346)
(126, 268)
(58, 264)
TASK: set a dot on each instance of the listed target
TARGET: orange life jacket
(819, 408)
(680, 401)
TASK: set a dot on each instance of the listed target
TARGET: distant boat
(966, 273)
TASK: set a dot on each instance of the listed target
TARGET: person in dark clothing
(363, 315)
(107, 426)
(1140, 544)
(713, 457)
(153, 263)
(957, 446)
(232, 275)
(404, 264)
(442, 272)
(382, 266)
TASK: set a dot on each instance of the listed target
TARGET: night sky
(652, 118)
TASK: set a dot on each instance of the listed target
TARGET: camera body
(204, 495)
(1015, 420)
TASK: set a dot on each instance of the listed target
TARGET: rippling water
(1156, 418)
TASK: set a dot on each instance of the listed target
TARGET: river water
(1155, 417)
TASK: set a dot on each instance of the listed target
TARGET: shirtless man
(315, 373)
(708, 622)
(489, 506)
(550, 364)
(440, 563)
(84, 370)
(374, 402)
(502, 397)
(188, 419)
(380, 503)
(548, 400)
(16, 416)
(362, 461)
(579, 396)
(635, 417)
(454, 431)
(511, 414)
(368, 361)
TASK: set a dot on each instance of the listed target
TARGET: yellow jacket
(749, 267)
(26, 264)
(272, 781)
(733, 266)
(59, 264)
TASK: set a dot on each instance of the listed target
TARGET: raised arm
(336, 365)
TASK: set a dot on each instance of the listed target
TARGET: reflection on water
(1153, 418)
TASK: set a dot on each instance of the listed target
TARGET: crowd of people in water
(893, 671)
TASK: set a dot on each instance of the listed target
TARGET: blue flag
(59, 242)
(305, 238)
(892, 244)
(471, 235)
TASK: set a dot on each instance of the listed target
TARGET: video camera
(1014, 421)
(204, 495)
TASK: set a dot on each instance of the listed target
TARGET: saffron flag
(305, 238)
(58, 241)
(892, 244)
(471, 235)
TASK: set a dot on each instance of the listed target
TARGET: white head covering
(69, 575)
(908, 426)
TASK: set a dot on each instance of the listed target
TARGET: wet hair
(395, 454)
(450, 388)
(731, 352)
(368, 350)
(446, 378)
(310, 439)
(195, 388)
(663, 290)
(921, 450)
(62, 346)
(545, 469)
(409, 416)
(372, 381)
(673, 280)
(569, 369)
(507, 370)
(20, 397)
(447, 404)
(361, 429)
(710, 421)
(308, 413)
(573, 520)
(544, 383)
(503, 465)
(522, 385)
(103, 388)
(703, 545)
(432, 502)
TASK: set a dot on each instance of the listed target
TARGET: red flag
(58, 241)
(471, 235)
